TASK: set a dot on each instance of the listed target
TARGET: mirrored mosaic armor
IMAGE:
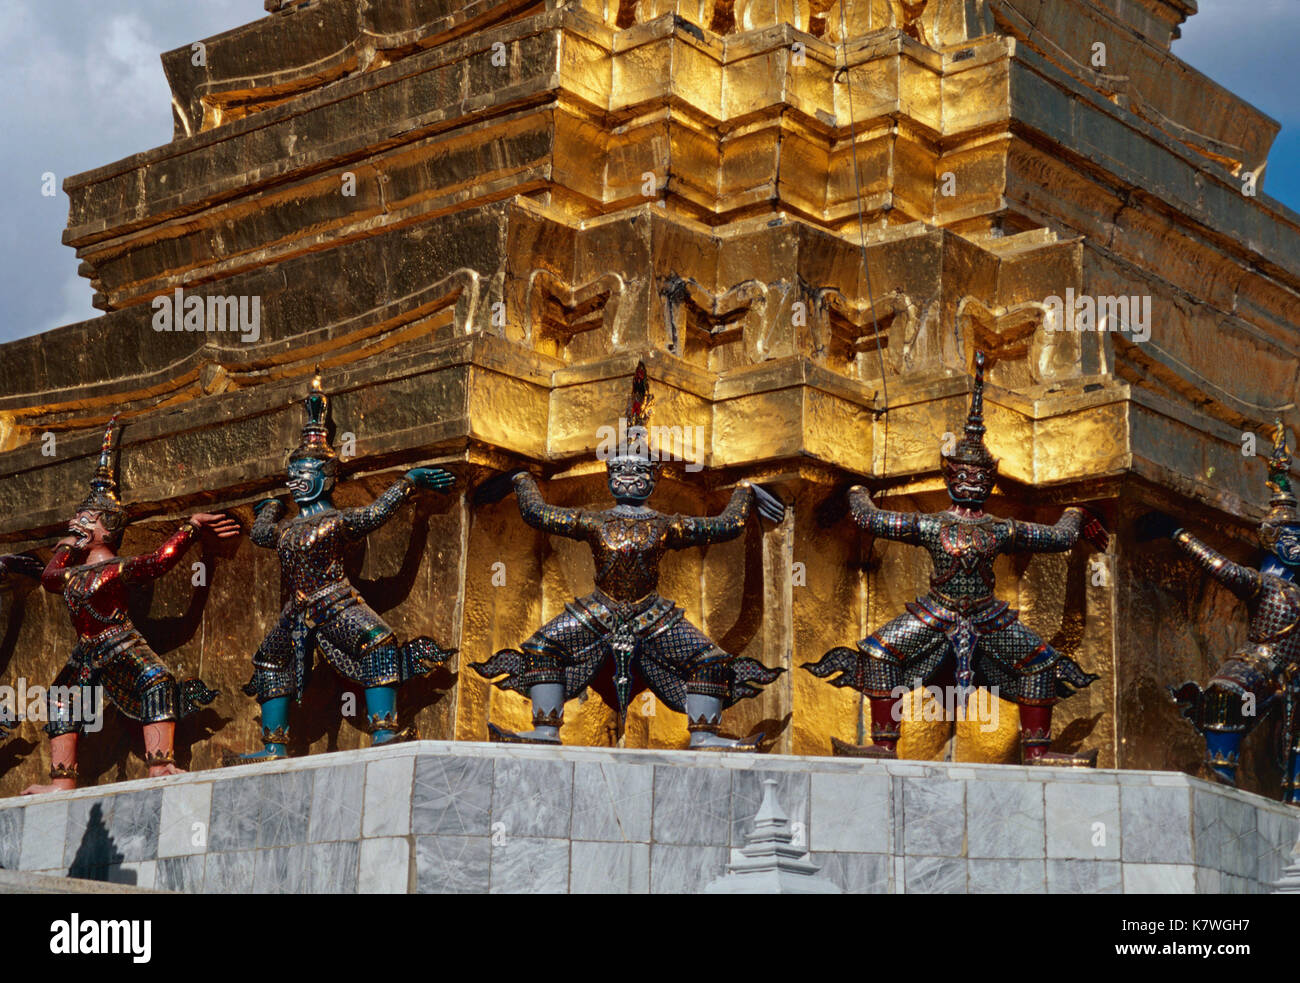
(110, 651)
(624, 623)
(959, 624)
(324, 611)
(111, 656)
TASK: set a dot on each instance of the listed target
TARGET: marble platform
(434, 817)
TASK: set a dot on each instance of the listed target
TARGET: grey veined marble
(464, 818)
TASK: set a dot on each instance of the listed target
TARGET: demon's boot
(275, 733)
(884, 733)
(548, 714)
(381, 713)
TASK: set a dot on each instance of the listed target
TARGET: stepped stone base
(437, 816)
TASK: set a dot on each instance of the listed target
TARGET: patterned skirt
(987, 647)
(649, 641)
(1245, 688)
(354, 640)
(133, 678)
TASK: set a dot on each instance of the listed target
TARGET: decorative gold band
(63, 771)
(552, 719)
(154, 758)
(703, 724)
(278, 736)
(1035, 737)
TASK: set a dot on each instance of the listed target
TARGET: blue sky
(84, 87)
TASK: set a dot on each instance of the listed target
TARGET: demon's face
(969, 484)
(1286, 544)
(309, 480)
(631, 479)
(93, 529)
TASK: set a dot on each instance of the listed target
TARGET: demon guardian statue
(1265, 674)
(960, 625)
(110, 652)
(624, 624)
(324, 610)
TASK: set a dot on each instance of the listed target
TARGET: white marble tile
(856, 873)
(692, 806)
(45, 830)
(1210, 881)
(1135, 778)
(1157, 825)
(1159, 879)
(11, 838)
(530, 865)
(146, 873)
(452, 864)
(90, 846)
(385, 866)
(186, 817)
(135, 824)
(1005, 820)
(286, 806)
(280, 870)
(141, 874)
(685, 869)
(1007, 876)
(905, 769)
(332, 867)
(1084, 877)
(1224, 834)
(337, 796)
(1275, 840)
(609, 868)
(934, 818)
(452, 795)
(388, 797)
(1082, 822)
(532, 799)
(851, 813)
(612, 801)
(180, 874)
(935, 875)
(229, 873)
(236, 812)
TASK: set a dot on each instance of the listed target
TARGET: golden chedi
(805, 218)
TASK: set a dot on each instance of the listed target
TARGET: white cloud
(84, 86)
(122, 66)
